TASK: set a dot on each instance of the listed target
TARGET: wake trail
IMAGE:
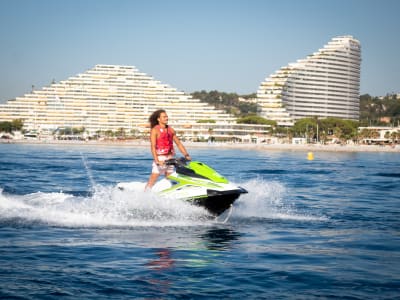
(88, 172)
(108, 206)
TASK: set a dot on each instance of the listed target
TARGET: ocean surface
(322, 229)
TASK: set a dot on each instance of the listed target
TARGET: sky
(225, 45)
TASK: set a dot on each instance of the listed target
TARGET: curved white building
(325, 84)
(107, 97)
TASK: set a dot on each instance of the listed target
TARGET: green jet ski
(199, 184)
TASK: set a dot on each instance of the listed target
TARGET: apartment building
(325, 84)
(107, 97)
(112, 97)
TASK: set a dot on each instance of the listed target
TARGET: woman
(162, 138)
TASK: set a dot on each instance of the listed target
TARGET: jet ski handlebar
(181, 161)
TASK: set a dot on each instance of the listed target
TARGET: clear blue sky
(225, 45)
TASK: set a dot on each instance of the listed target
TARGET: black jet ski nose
(243, 190)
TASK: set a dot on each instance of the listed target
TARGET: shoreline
(248, 146)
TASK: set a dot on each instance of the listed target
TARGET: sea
(327, 228)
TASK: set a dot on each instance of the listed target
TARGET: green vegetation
(71, 131)
(324, 129)
(206, 121)
(373, 110)
(229, 102)
(253, 119)
(9, 127)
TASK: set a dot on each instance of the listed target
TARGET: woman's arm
(153, 141)
(181, 147)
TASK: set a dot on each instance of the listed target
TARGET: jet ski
(199, 184)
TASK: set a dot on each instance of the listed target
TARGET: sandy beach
(266, 147)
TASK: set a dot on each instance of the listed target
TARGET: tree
(227, 101)
(342, 129)
(256, 120)
(5, 127)
(120, 132)
(109, 133)
(17, 124)
(306, 127)
(134, 132)
(387, 135)
(78, 130)
(372, 109)
(9, 127)
(206, 121)
(396, 136)
(247, 108)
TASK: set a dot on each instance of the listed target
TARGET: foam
(108, 206)
(269, 200)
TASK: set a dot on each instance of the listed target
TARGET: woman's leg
(152, 180)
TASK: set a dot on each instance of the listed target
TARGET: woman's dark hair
(154, 116)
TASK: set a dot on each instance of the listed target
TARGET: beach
(266, 147)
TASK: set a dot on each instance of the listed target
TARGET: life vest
(164, 142)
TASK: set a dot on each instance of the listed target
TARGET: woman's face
(163, 119)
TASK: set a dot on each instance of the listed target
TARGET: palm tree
(210, 132)
(387, 135)
(374, 134)
(394, 136)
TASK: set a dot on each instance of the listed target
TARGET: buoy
(310, 156)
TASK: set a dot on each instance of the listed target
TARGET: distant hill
(373, 110)
(230, 102)
(379, 110)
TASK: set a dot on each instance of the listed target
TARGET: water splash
(88, 172)
(269, 200)
(108, 206)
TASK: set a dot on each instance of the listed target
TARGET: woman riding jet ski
(197, 183)
(194, 181)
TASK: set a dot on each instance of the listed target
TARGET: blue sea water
(321, 229)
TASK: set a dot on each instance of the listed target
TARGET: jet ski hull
(215, 198)
(217, 202)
